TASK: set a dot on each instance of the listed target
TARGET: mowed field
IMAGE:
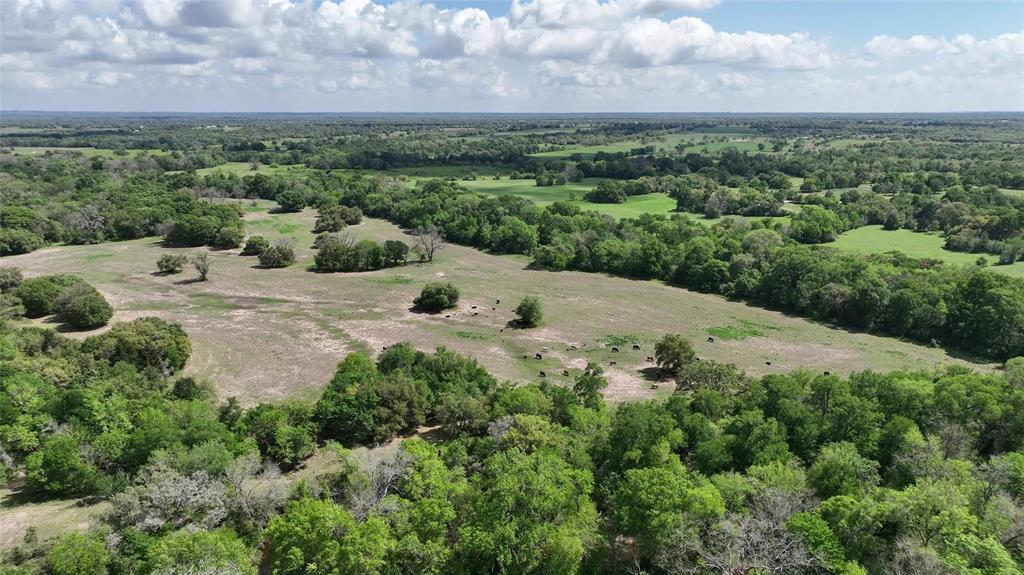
(265, 335)
(874, 239)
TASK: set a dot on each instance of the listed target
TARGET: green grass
(874, 239)
(267, 335)
(742, 330)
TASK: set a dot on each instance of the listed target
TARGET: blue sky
(511, 56)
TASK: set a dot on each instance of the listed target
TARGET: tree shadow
(162, 274)
(189, 281)
(655, 374)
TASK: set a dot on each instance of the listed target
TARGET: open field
(874, 239)
(271, 334)
(693, 141)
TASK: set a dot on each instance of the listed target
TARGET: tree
(78, 554)
(83, 307)
(429, 241)
(201, 262)
(146, 343)
(395, 252)
(255, 246)
(529, 312)
(228, 237)
(280, 255)
(840, 470)
(291, 201)
(321, 538)
(58, 469)
(814, 225)
(185, 553)
(650, 503)
(435, 297)
(672, 352)
(171, 263)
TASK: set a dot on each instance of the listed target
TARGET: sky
(511, 55)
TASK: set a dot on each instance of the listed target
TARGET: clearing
(265, 335)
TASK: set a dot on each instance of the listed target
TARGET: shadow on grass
(189, 281)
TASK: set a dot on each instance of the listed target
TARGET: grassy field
(874, 239)
(693, 140)
(270, 334)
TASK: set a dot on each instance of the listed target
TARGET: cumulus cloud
(627, 48)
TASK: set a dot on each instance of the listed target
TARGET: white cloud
(410, 51)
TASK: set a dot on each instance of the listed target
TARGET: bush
(291, 201)
(10, 279)
(673, 352)
(280, 255)
(436, 297)
(255, 246)
(39, 295)
(77, 554)
(83, 307)
(529, 312)
(15, 241)
(146, 343)
(228, 238)
(171, 263)
(201, 262)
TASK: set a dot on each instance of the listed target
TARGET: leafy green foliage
(436, 297)
(529, 312)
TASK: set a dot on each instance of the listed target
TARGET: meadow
(272, 334)
(874, 239)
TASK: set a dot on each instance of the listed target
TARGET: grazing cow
(565, 372)
(474, 307)
(827, 373)
(650, 359)
(636, 347)
(572, 348)
(475, 313)
(497, 302)
(654, 386)
(525, 356)
(494, 309)
(611, 363)
(447, 316)
(542, 374)
(537, 356)
(615, 349)
(767, 363)
(711, 339)
(502, 329)
(385, 348)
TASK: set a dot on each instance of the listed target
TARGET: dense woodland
(904, 473)
(801, 473)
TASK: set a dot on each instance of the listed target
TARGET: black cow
(636, 347)
(615, 349)
(711, 339)
(650, 359)
(542, 374)
(537, 356)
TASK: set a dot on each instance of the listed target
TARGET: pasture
(266, 335)
(874, 239)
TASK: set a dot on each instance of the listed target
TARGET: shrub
(10, 279)
(201, 262)
(146, 343)
(291, 201)
(16, 241)
(529, 312)
(171, 263)
(436, 297)
(280, 255)
(351, 215)
(395, 252)
(39, 295)
(228, 238)
(83, 307)
(255, 246)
